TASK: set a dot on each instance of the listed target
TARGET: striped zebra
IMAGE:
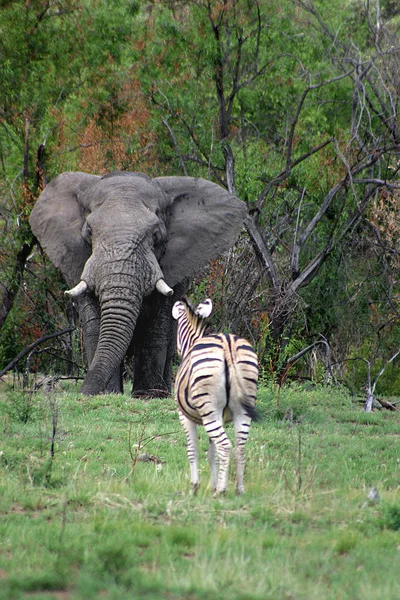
(216, 383)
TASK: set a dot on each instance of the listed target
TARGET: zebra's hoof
(194, 488)
(219, 494)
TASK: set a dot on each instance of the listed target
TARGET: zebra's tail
(251, 411)
(244, 391)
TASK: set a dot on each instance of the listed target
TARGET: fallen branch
(328, 367)
(385, 404)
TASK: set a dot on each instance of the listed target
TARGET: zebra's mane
(189, 304)
(207, 328)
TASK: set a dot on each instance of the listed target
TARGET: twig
(63, 521)
(142, 442)
(54, 415)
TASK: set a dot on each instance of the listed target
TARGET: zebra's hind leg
(218, 437)
(213, 462)
(241, 423)
(191, 447)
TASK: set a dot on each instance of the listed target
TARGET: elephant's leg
(89, 315)
(153, 344)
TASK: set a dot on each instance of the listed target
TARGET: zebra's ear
(204, 309)
(177, 310)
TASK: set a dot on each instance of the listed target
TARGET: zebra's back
(218, 374)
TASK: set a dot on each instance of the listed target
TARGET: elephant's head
(116, 238)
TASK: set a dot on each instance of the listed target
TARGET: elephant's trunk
(118, 320)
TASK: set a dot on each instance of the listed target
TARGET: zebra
(215, 383)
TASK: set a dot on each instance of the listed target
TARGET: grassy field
(97, 521)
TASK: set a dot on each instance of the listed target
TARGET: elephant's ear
(56, 220)
(203, 220)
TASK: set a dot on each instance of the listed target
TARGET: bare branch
(263, 252)
(296, 246)
(182, 162)
(29, 348)
(383, 369)
(324, 342)
(286, 172)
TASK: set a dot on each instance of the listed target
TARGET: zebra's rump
(220, 372)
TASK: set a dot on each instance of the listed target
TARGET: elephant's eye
(87, 232)
(157, 237)
(159, 234)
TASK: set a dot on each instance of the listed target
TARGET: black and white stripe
(216, 383)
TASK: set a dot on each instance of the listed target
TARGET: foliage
(81, 525)
(392, 517)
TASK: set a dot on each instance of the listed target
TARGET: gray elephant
(128, 245)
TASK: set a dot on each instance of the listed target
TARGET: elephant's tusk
(164, 288)
(77, 290)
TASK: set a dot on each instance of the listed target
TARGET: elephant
(127, 246)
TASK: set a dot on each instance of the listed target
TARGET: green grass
(95, 522)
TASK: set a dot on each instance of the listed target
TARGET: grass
(96, 521)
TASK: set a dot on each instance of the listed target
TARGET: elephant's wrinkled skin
(116, 236)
